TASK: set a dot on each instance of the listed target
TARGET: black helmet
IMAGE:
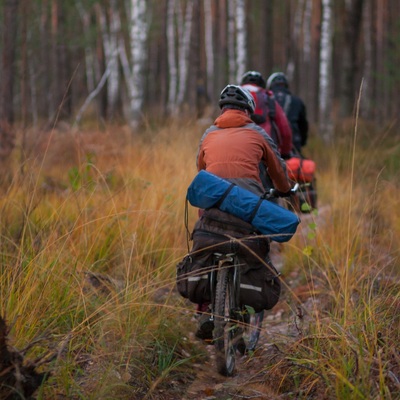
(277, 78)
(253, 77)
(238, 96)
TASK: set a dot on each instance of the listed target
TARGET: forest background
(143, 60)
(102, 105)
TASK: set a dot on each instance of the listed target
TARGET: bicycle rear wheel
(225, 326)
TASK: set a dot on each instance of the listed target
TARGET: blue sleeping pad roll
(208, 190)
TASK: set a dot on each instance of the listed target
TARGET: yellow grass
(108, 207)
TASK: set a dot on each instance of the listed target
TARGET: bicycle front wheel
(225, 326)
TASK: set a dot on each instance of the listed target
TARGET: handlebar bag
(208, 190)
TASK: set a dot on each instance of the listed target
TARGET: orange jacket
(233, 148)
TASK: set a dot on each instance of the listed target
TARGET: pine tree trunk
(222, 68)
(209, 47)
(305, 73)
(172, 67)
(367, 65)
(184, 47)
(353, 23)
(7, 133)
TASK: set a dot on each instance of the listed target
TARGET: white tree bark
(178, 50)
(110, 44)
(138, 38)
(241, 39)
(325, 75)
(231, 41)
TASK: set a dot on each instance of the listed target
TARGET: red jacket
(233, 148)
(284, 136)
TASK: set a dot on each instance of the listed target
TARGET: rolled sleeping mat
(208, 190)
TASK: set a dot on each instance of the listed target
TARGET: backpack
(217, 231)
(265, 109)
(284, 100)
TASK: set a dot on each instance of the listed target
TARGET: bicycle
(231, 319)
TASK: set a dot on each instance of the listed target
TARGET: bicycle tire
(224, 329)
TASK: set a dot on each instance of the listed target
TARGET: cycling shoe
(205, 328)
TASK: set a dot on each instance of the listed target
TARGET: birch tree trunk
(178, 49)
(241, 39)
(138, 39)
(110, 44)
(232, 70)
(325, 84)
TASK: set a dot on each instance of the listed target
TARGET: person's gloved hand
(282, 194)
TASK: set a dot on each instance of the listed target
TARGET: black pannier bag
(217, 231)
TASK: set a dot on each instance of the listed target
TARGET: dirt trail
(250, 379)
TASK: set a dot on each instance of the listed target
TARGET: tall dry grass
(92, 225)
(91, 230)
(348, 253)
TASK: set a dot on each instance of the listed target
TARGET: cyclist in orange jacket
(233, 148)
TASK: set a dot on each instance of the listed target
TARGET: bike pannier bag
(217, 231)
(208, 190)
(192, 276)
(260, 287)
(300, 169)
